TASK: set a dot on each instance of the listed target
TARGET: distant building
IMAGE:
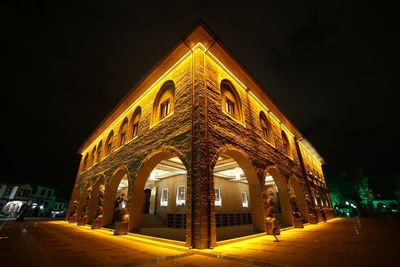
(34, 200)
(59, 207)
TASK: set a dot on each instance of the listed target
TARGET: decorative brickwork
(199, 105)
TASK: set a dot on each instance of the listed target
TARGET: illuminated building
(196, 145)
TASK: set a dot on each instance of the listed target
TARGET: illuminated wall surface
(198, 145)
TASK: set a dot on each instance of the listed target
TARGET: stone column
(202, 235)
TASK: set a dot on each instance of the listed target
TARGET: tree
(362, 186)
(340, 189)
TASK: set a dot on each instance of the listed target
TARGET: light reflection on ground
(339, 242)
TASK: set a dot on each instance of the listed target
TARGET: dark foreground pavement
(339, 242)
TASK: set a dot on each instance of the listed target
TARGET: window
(123, 129)
(245, 200)
(164, 109)
(164, 197)
(123, 137)
(135, 121)
(109, 147)
(135, 129)
(230, 107)
(99, 151)
(164, 102)
(230, 101)
(109, 143)
(21, 192)
(49, 193)
(85, 162)
(265, 127)
(286, 144)
(218, 200)
(180, 195)
(8, 190)
(93, 155)
(42, 192)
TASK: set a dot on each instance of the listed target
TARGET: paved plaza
(339, 242)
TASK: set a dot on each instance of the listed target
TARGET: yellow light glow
(273, 115)
(311, 154)
(109, 233)
(199, 45)
(137, 100)
(216, 60)
(259, 102)
(226, 69)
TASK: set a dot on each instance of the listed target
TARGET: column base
(82, 221)
(72, 219)
(298, 223)
(121, 228)
(312, 219)
(97, 223)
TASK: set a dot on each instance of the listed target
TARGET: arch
(146, 167)
(265, 127)
(111, 193)
(83, 199)
(286, 144)
(230, 100)
(123, 132)
(300, 196)
(281, 182)
(74, 197)
(108, 146)
(135, 121)
(164, 101)
(254, 186)
(99, 151)
(95, 193)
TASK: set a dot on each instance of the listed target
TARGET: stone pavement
(339, 242)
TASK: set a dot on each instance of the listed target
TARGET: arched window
(266, 127)
(135, 121)
(99, 149)
(85, 162)
(93, 155)
(286, 144)
(109, 143)
(123, 132)
(164, 102)
(230, 100)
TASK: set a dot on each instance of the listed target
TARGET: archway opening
(238, 202)
(84, 198)
(160, 206)
(72, 208)
(94, 201)
(297, 193)
(276, 182)
(116, 196)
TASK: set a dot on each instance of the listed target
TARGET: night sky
(332, 67)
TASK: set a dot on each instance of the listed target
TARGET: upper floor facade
(200, 71)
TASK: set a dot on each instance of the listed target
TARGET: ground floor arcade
(158, 200)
